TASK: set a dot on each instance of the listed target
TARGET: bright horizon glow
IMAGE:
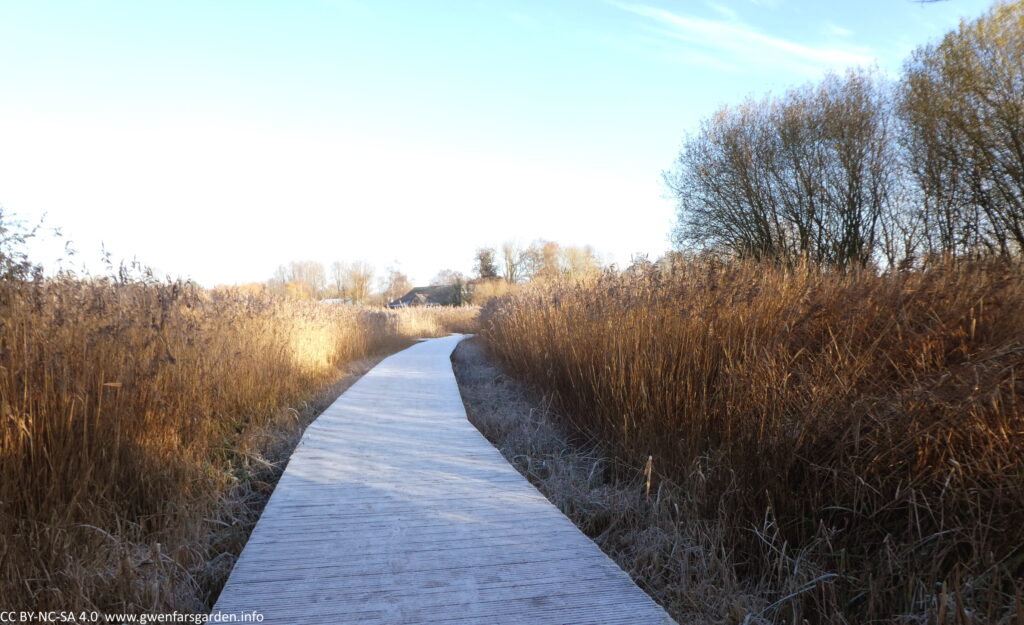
(219, 140)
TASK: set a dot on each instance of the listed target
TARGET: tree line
(356, 282)
(494, 270)
(861, 169)
(539, 260)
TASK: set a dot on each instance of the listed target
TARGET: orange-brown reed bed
(133, 419)
(862, 432)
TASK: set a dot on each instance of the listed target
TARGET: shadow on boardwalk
(394, 510)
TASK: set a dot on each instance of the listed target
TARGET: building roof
(434, 295)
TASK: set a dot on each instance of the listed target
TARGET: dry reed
(134, 413)
(861, 433)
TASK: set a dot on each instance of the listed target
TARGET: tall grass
(132, 413)
(861, 433)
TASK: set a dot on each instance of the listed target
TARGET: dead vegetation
(144, 423)
(830, 447)
(673, 556)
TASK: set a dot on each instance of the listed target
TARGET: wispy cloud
(738, 44)
(836, 29)
(724, 11)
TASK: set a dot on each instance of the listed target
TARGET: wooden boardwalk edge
(395, 510)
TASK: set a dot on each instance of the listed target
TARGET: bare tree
(580, 262)
(394, 284)
(357, 281)
(337, 284)
(447, 276)
(547, 259)
(305, 278)
(724, 198)
(960, 100)
(513, 262)
(542, 259)
(806, 175)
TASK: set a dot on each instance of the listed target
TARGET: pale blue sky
(219, 139)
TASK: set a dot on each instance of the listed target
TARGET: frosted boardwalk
(395, 510)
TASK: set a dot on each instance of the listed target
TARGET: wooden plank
(394, 510)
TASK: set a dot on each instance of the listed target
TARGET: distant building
(436, 295)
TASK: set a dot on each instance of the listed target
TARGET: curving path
(394, 510)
